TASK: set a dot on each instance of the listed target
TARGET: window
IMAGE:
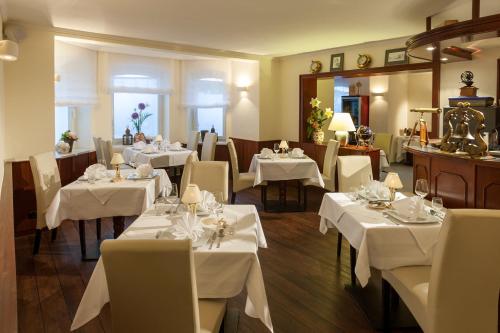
(123, 107)
(62, 121)
(205, 118)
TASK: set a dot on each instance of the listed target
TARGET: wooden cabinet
(359, 108)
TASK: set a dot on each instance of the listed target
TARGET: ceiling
(264, 27)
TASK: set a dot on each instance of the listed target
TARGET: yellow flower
(328, 113)
(315, 102)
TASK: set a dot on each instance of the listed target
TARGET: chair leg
(98, 228)
(339, 244)
(386, 306)
(53, 235)
(38, 238)
(233, 197)
(83, 245)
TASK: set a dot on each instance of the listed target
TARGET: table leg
(83, 243)
(118, 225)
(352, 253)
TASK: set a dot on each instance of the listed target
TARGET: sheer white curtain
(76, 75)
(205, 83)
(139, 74)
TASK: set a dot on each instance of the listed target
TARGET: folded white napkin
(377, 190)
(175, 146)
(297, 152)
(144, 170)
(96, 171)
(207, 199)
(266, 152)
(409, 207)
(186, 227)
(149, 149)
(139, 145)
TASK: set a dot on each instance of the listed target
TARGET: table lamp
(393, 182)
(191, 197)
(116, 161)
(283, 145)
(341, 123)
(158, 138)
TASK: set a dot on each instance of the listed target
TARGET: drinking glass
(437, 204)
(172, 197)
(421, 188)
(217, 207)
(276, 149)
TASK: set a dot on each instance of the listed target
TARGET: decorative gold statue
(460, 140)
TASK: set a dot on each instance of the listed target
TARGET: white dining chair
(107, 152)
(459, 292)
(211, 176)
(383, 141)
(186, 172)
(353, 171)
(159, 293)
(193, 140)
(208, 147)
(241, 180)
(98, 149)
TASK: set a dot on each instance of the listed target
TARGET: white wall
(2, 117)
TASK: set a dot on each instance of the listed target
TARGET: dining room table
(282, 168)
(158, 158)
(221, 271)
(84, 199)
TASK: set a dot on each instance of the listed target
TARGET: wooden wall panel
(453, 181)
(422, 170)
(488, 187)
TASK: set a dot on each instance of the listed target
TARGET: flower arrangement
(138, 117)
(69, 136)
(316, 120)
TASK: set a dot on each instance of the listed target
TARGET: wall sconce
(57, 77)
(9, 50)
(242, 88)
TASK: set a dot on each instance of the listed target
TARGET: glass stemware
(422, 188)
(276, 149)
(217, 206)
(172, 197)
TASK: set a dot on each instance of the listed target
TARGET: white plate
(134, 176)
(412, 220)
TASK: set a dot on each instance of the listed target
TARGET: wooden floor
(304, 280)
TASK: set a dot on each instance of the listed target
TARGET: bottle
(212, 130)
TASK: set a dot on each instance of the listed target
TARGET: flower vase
(70, 143)
(318, 137)
(139, 137)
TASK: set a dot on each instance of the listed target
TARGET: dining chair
(193, 140)
(211, 176)
(107, 152)
(186, 172)
(383, 141)
(353, 171)
(329, 168)
(208, 147)
(458, 293)
(241, 180)
(98, 148)
(159, 293)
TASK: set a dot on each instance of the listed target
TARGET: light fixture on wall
(242, 89)
(57, 77)
(9, 50)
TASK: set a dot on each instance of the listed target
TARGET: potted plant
(138, 118)
(316, 121)
(69, 137)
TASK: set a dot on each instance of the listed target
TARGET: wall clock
(315, 66)
(364, 61)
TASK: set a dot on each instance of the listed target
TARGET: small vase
(139, 137)
(70, 143)
(318, 137)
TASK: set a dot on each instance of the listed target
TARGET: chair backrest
(234, 159)
(151, 285)
(186, 172)
(211, 176)
(353, 171)
(107, 152)
(98, 148)
(330, 161)
(193, 140)
(208, 147)
(47, 182)
(384, 142)
(465, 274)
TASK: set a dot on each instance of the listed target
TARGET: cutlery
(220, 236)
(212, 239)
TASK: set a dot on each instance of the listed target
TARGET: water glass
(172, 197)
(437, 204)
(276, 149)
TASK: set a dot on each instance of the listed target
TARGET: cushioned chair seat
(412, 285)
(211, 314)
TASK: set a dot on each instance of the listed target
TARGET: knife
(212, 239)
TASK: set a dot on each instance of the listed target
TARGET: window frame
(194, 119)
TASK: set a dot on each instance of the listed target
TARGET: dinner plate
(412, 220)
(135, 176)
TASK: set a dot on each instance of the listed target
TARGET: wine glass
(172, 197)
(276, 149)
(217, 206)
(421, 188)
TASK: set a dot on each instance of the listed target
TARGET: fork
(212, 240)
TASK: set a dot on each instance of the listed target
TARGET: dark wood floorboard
(304, 279)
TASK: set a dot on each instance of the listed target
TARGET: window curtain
(75, 75)
(138, 74)
(205, 83)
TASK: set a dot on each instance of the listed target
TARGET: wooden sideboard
(71, 166)
(461, 182)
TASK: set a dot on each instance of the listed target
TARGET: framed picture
(337, 62)
(396, 57)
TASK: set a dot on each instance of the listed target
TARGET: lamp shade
(192, 194)
(341, 121)
(159, 138)
(8, 50)
(117, 159)
(392, 181)
(283, 144)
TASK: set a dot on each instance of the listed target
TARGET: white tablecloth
(381, 243)
(384, 162)
(161, 159)
(220, 272)
(81, 200)
(284, 169)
